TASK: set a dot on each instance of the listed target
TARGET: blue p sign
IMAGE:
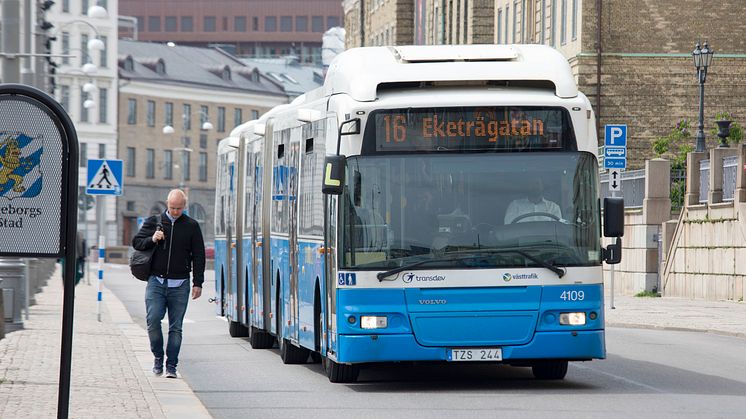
(616, 135)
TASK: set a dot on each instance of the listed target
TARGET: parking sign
(616, 135)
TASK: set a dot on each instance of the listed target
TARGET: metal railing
(704, 180)
(633, 187)
(730, 165)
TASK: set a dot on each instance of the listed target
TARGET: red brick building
(255, 28)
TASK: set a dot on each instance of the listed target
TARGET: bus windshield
(510, 210)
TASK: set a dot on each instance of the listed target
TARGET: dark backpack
(140, 261)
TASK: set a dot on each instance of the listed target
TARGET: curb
(175, 397)
(674, 328)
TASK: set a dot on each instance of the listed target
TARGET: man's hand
(196, 292)
(158, 236)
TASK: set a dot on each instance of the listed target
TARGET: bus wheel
(260, 339)
(237, 330)
(549, 370)
(341, 373)
(291, 354)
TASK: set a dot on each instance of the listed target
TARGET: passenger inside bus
(534, 207)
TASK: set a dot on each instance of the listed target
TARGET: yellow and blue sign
(20, 157)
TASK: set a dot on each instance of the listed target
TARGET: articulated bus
(427, 203)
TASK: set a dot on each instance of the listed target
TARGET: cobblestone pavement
(110, 364)
(721, 317)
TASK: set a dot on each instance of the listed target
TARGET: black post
(700, 128)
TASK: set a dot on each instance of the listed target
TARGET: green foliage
(647, 294)
(678, 191)
(676, 144)
(736, 131)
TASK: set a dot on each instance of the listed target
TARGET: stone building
(167, 97)
(635, 67)
(378, 22)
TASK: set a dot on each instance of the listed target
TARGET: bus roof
(360, 71)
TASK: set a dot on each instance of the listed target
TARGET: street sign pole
(615, 160)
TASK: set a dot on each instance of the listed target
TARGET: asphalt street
(648, 373)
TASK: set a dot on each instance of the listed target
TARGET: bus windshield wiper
(473, 254)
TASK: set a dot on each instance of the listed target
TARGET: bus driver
(520, 209)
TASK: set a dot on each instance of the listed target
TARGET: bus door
(292, 196)
(229, 284)
(254, 206)
(239, 259)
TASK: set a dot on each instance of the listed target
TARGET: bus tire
(237, 330)
(549, 370)
(260, 339)
(291, 354)
(341, 373)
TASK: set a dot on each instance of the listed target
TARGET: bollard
(101, 259)
(2, 312)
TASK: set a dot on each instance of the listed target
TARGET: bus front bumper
(570, 345)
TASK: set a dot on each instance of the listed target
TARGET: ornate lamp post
(702, 59)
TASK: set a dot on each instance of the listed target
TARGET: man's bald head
(176, 202)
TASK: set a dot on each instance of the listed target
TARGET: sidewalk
(720, 317)
(111, 364)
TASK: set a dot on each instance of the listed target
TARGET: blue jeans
(158, 299)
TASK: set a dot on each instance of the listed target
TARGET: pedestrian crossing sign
(104, 177)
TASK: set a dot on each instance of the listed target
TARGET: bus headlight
(373, 322)
(572, 319)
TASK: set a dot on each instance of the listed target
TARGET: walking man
(179, 249)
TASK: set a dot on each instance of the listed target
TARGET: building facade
(632, 58)
(250, 28)
(378, 22)
(85, 83)
(167, 96)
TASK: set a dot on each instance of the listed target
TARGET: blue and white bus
(459, 221)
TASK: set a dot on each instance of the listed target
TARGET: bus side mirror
(334, 175)
(613, 217)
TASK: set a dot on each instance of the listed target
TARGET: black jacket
(182, 249)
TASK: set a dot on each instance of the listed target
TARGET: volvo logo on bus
(410, 277)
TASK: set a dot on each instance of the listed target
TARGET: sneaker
(170, 373)
(158, 366)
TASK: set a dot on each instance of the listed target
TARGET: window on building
(131, 160)
(507, 23)
(286, 23)
(187, 24)
(140, 23)
(101, 151)
(65, 97)
(574, 19)
(332, 21)
(553, 23)
(563, 22)
(523, 17)
(83, 7)
(237, 117)
(187, 117)
(209, 24)
(254, 114)
(499, 26)
(65, 47)
(168, 164)
(317, 23)
(254, 23)
(85, 56)
(239, 24)
(151, 113)
(83, 161)
(170, 24)
(204, 116)
(202, 140)
(301, 23)
(515, 22)
(221, 119)
(270, 23)
(103, 3)
(132, 111)
(83, 109)
(543, 26)
(202, 167)
(130, 205)
(168, 114)
(154, 23)
(150, 168)
(185, 163)
(66, 6)
(103, 109)
(225, 24)
(103, 54)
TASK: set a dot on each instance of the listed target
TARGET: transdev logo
(410, 277)
(507, 276)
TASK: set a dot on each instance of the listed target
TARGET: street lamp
(206, 126)
(702, 59)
